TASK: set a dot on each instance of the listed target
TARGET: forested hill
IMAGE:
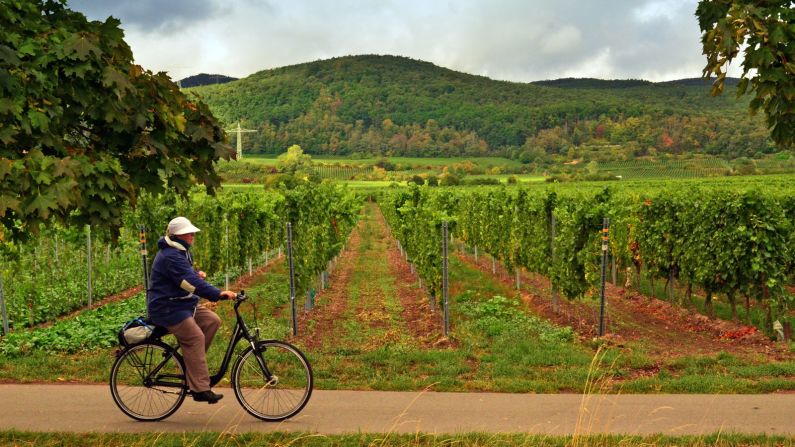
(401, 106)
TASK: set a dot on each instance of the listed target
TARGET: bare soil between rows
(423, 322)
(323, 324)
(662, 329)
(330, 304)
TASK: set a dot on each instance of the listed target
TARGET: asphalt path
(90, 408)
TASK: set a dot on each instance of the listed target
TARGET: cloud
(167, 17)
(516, 40)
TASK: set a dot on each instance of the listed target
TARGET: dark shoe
(207, 396)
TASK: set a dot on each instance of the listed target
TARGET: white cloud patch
(599, 65)
(653, 10)
(564, 40)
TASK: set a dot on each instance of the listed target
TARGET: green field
(503, 178)
(353, 184)
(646, 169)
(696, 168)
(486, 162)
(241, 187)
(358, 184)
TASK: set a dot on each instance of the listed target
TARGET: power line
(239, 132)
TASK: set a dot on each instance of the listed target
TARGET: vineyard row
(46, 276)
(733, 243)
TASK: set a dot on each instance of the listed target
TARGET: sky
(511, 40)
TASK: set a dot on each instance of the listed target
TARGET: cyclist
(173, 302)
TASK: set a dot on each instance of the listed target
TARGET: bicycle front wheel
(147, 381)
(272, 382)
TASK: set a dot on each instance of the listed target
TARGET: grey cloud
(517, 40)
(162, 16)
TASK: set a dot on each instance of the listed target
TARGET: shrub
(449, 179)
(481, 181)
(385, 164)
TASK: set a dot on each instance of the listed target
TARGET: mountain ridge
(204, 79)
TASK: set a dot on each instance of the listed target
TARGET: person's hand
(201, 274)
(228, 294)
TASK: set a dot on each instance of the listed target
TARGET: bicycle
(271, 379)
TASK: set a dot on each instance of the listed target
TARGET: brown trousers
(195, 336)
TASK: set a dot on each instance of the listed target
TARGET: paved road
(89, 408)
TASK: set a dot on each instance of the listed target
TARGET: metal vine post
(292, 275)
(3, 311)
(144, 262)
(88, 256)
(605, 241)
(445, 283)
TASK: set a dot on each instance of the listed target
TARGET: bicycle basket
(135, 331)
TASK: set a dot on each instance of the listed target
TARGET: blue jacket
(174, 286)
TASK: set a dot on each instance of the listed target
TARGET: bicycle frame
(240, 332)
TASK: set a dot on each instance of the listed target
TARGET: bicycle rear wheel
(147, 381)
(279, 390)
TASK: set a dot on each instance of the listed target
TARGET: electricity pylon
(239, 133)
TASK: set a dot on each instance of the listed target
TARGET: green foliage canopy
(294, 160)
(82, 129)
(767, 29)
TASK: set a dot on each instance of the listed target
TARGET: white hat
(181, 225)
